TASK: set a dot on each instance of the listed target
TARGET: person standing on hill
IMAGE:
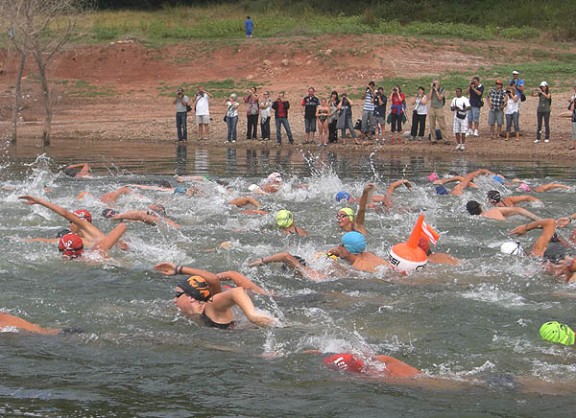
(543, 111)
(497, 101)
(475, 91)
(379, 117)
(202, 110)
(310, 104)
(368, 110)
(252, 111)
(436, 102)
(181, 101)
(281, 107)
(248, 26)
(265, 114)
(460, 106)
(419, 115)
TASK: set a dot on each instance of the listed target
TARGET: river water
(137, 358)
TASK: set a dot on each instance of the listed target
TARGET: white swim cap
(511, 248)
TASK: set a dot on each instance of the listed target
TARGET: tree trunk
(17, 97)
(46, 97)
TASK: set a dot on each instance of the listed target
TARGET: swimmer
(108, 198)
(242, 202)
(495, 199)
(82, 170)
(565, 221)
(498, 213)
(353, 250)
(348, 221)
(464, 182)
(296, 263)
(285, 221)
(81, 225)
(200, 296)
(155, 215)
(8, 322)
(387, 201)
(59, 234)
(271, 184)
(436, 258)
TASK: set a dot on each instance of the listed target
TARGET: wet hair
(164, 183)
(555, 252)
(70, 172)
(473, 207)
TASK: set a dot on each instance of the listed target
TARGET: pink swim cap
(433, 176)
(524, 187)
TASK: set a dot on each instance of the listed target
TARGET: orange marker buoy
(408, 256)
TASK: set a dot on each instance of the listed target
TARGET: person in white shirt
(460, 105)
(202, 109)
(511, 112)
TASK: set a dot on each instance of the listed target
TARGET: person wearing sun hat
(496, 104)
(285, 221)
(543, 111)
(200, 296)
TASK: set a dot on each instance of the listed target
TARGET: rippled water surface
(137, 357)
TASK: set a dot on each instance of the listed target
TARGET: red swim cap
(344, 362)
(83, 214)
(71, 245)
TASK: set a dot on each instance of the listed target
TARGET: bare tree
(40, 28)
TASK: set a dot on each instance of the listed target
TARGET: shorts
(495, 117)
(378, 120)
(202, 119)
(460, 126)
(310, 125)
(474, 115)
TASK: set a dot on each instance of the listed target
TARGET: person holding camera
(231, 117)
(182, 103)
(334, 101)
(397, 108)
(475, 91)
(202, 109)
(419, 115)
(436, 102)
(265, 114)
(252, 112)
(543, 111)
(460, 105)
(380, 101)
(511, 112)
(345, 119)
(367, 126)
(572, 108)
(496, 102)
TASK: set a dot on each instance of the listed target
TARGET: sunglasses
(178, 294)
(341, 216)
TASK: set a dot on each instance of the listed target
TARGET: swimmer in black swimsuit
(201, 296)
(322, 114)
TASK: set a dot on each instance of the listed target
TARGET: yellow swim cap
(556, 332)
(284, 219)
(349, 212)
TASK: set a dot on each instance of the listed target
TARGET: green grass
(81, 88)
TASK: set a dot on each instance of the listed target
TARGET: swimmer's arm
(301, 232)
(387, 201)
(524, 198)
(243, 201)
(564, 221)
(361, 215)
(548, 227)
(43, 240)
(110, 239)
(240, 280)
(551, 186)
(7, 320)
(171, 269)
(238, 296)
(448, 180)
(471, 176)
(184, 179)
(519, 211)
(155, 188)
(136, 215)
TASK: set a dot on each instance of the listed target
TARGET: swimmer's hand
(519, 230)
(562, 222)
(29, 200)
(256, 263)
(369, 187)
(168, 269)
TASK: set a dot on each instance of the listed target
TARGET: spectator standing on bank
(496, 105)
(460, 105)
(281, 106)
(572, 108)
(248, 26)
(543, 111)
(367, 126)
(232, 117)
(518, 83)
(436, 102)
(380, 101)
(419, 115)
(265, 115)
(511, 112)
(475, 91)
(345, 119)
(332, 131)
(310, 103)
(252, 111)
(182, 102)
(397, 109)
(202, 109)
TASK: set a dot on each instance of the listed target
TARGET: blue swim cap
(180, 189)
(441, 190)
(498, 179)
(354, 242)
(342, 196)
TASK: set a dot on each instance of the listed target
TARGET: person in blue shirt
(249, 26)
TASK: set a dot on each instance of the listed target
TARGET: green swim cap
(349, 212)
(284, 219)
(556, 332)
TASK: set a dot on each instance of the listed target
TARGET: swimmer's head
(433, 176)
(556, 332)
(498, 179)
(83, 214)
(108, 213)
(195, 287)
(70, 172)
(275, 178)
(340, 196)
(441, 190)
(555, 252)
(71, 245)
(425, 245)
(493, 196)
(164, 183)
(524, 187)
(62, 232)
(511, 248)
(253, 187)
(180, 190)
(346, 213)
(284, 219)
(345, 362)
(354, 242)
(157, 208)
(473, 207)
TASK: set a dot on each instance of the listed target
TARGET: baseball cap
(543, 84)
(515, 72)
